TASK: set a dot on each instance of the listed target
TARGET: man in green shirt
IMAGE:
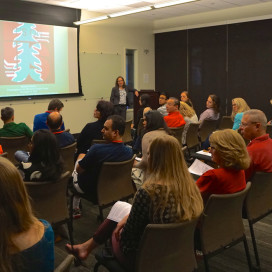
(11, 129)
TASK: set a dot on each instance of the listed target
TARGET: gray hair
(257, 116)
(176, 101)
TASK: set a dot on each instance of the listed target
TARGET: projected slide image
(35, 59)
(28, 53)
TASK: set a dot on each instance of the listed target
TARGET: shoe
(76, 213)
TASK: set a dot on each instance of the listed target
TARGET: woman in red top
(229, 151)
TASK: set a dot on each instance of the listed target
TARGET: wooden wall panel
(171, 62)
(230, 60)
(207, 65)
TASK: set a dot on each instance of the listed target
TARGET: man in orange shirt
(174, 118)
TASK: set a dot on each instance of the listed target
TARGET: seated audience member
(189, 116)
(92, 131)
(11, 129)
(213, 109)
(184, 97)
(137, 146)
(43, 163)
(239, 106)
(154, 126)
(228, 150)
(27, 244)
(144, 102)
(88, 165)
(40, 119)
(174, 118)
(253, 128)
(162, 102)
(169, 195)
(54, 122)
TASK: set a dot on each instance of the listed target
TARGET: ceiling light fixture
(92, 20)
(130, 11)
(172, 3)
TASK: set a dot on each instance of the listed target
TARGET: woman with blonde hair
(189, 116)
(27, 244)
(239, 106)
(169, 195)
(229, 152)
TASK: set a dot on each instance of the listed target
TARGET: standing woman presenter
(122, 96)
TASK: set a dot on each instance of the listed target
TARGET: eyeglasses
(247, 124)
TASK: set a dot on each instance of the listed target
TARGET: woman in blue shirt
(239, 106)
(27, 244)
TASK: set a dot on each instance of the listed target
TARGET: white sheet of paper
(119, 210)
(201, 152)
(138, 159)
(198, 167)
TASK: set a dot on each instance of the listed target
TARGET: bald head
(54, 120)
(146, 109)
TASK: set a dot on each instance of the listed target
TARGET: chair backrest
(5, 155)
(177, 133)
(67, 153)
(49, 200)
(258, 202)
(12, 144)
(114, 182)
(167, 247)
(184, 149)
(191, 135)
(269, 130)
(221, 222)
(226, 122)
(127, 135)
(206, 128)
(65, 264)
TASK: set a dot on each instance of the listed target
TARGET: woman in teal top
(239, 106)
(27, 244)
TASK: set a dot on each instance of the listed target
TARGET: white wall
(108, 38)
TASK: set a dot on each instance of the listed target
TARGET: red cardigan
(260, 152)
(221, 181)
